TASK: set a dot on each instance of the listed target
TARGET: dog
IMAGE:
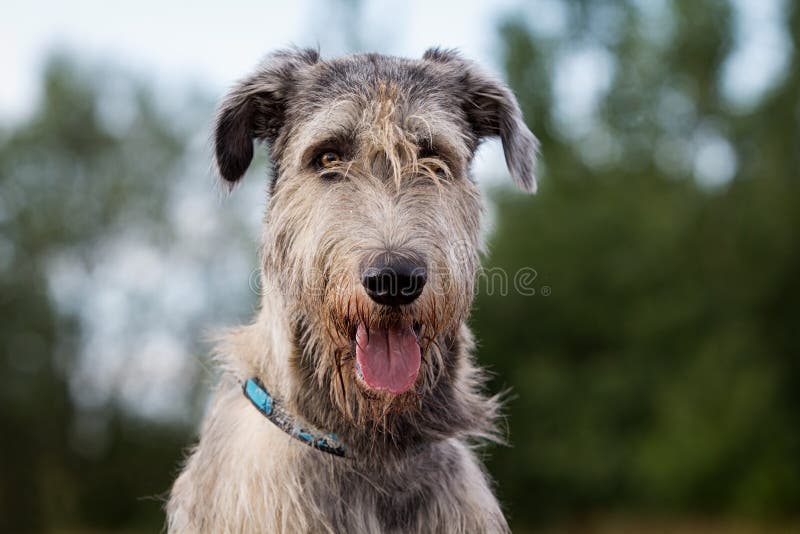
(353, 402)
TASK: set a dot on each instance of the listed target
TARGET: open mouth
(388, 358)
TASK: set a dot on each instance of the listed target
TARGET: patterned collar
(269, 407)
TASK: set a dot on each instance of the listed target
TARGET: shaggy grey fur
(406, 131)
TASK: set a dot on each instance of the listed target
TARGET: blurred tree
(661, 374)
(68, 179)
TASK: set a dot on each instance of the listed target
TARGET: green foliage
(660, 374)
(68, 181)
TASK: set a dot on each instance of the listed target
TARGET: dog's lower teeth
(358, 371)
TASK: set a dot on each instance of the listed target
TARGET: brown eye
(328, 159)
(431, 154)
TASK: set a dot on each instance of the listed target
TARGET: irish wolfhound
(352, 402)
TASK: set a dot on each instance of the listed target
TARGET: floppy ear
(492, 110)
(254, 110)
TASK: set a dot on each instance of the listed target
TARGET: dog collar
(265, 403)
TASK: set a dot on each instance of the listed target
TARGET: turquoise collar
(265, 403)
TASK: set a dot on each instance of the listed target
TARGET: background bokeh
(654, 374)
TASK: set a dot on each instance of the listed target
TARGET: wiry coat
(406, 131)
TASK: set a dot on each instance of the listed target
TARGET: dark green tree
(660, 375)
(68, 180)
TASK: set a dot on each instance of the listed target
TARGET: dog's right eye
(329, 160)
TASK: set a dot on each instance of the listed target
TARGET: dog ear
(492, 110)
(254, 110)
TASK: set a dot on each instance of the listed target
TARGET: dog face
(373, 230)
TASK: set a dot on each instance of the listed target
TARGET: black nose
(394, 280)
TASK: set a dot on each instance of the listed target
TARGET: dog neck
(271, 408)
(273, 351)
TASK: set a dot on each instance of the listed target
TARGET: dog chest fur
(246, 475)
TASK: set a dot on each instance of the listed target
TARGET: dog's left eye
(328, 159)
(434, 158)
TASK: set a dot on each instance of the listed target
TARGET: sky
(214, 43)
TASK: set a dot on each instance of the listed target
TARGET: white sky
(214, 43)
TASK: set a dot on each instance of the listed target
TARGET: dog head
(373, 228)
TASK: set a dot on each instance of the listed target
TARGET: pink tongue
(389, 359)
